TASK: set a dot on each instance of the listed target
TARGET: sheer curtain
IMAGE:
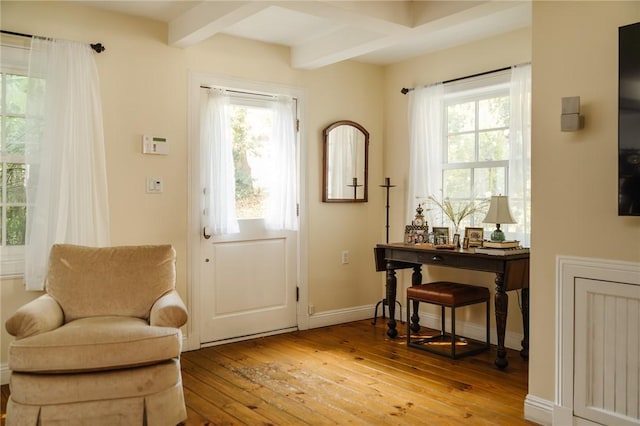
(219, 214)
(426, 106)
(281, 211)
(67, 197)
(520, 156)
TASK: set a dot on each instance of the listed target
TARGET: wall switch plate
(154, 185)
(345, 257)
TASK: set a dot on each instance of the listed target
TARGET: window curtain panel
(217, 156)
(426, 109)
(67, 197)
(281, 209)
(520, 152)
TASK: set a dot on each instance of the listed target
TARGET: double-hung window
(13, 171)
(475, 163)
(470, 140)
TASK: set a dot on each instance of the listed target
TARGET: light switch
(154, 185)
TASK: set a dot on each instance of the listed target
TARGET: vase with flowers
(457, 211)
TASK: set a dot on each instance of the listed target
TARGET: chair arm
(39, 315)
(169, 311)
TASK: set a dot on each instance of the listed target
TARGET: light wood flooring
(346, 374)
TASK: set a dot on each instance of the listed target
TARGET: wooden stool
(451, 295)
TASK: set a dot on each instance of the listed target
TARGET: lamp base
(497, 235)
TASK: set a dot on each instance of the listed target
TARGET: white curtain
(281, 209)
(67, 197)
(219, 215)
(426, 106)
(520, 157)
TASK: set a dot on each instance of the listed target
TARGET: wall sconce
(571, 120)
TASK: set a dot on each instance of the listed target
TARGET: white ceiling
(321, 33)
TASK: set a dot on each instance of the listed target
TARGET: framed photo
(440, 235)
(456, 240)
(415, 234)
(409, 237)
(475, 236)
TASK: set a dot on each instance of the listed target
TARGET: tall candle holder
(387, 184)
(385, 302)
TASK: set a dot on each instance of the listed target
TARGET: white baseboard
(5, 373)
(340, 316)
(538, 410)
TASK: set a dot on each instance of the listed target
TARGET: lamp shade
(499, 211)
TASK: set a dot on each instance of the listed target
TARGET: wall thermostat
(155, 145)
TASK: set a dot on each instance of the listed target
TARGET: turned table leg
(391, 300)
(501, 307)
(524, 353)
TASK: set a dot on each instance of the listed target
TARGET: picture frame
(456, 240)
(475, 236)
(440, 235)
(415, 234)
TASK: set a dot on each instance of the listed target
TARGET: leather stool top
(448, 293)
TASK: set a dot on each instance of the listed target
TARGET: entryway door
(247, 279)
(248, 283)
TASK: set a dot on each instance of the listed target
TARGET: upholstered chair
(102, 345)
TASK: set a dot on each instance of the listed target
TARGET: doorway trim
(194, 282)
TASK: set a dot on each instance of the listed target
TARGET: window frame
(14, 53)
(473, 90)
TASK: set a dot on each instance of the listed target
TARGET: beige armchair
(102, 346)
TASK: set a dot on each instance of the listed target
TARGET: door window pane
(251, 132)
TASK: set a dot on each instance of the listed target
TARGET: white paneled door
(248, 284)
(245, 282)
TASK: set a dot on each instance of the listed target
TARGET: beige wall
(574, 199)
(144, 90)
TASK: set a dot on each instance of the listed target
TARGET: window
(251, 125)
(471, 139)
(13, 171)
(476, 147)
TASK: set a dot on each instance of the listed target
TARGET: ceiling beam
(209, 18)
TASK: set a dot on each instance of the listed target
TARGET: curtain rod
(404, 90)
(98, 47)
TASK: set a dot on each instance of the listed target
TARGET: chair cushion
(448, 293)
(93, 344)
(47, 389)
(97, 281)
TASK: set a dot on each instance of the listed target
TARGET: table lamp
(499, 213)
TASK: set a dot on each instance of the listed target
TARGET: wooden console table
(512, 273)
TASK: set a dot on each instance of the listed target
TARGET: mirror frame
(325, 138)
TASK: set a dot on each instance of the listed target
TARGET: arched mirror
(345, 163)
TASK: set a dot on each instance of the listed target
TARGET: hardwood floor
(346, 374)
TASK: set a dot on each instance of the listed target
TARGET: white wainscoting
(598, 342)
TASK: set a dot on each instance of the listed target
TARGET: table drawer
(426, 258)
